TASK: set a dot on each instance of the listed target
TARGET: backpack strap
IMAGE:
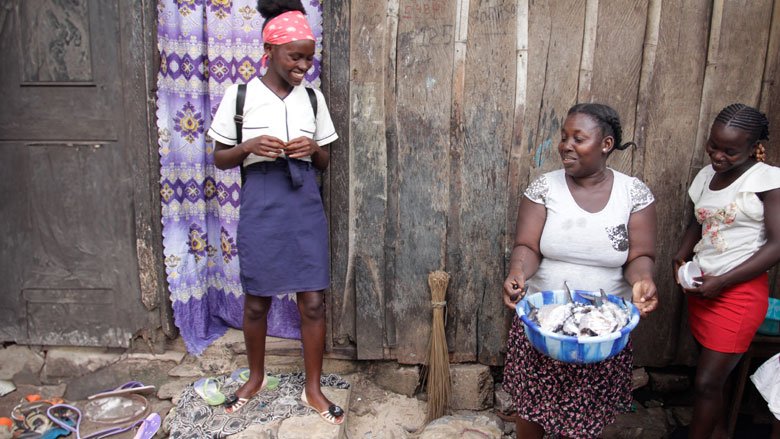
(239, 117)
(313, 100)
(239, 120)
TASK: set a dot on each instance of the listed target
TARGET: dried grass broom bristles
(438, 379)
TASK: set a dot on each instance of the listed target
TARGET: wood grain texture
(15, 214)
(393, 175)
(368, 168)
(735, 63)
(519, 157)
(675, 90)
(57, 38)
(617, 65)
(488, 102)
(341, 311)
(460, 350)
(30, 106)
(556, 32)
(424, 88)
(135, 42)
(464, 122)
(549, 38)
(91, 193)
(80, 242)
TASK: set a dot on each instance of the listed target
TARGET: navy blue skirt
(282, 231)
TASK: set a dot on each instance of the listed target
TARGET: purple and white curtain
(205, 46)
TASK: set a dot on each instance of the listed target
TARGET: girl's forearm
(227, 157)
(320, 159)
(690, 238)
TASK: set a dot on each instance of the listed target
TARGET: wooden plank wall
(448, 108)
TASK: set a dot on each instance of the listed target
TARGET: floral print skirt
(573, 400)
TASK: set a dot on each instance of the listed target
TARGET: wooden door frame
(140, 60)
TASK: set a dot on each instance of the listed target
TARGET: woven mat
(194, 419)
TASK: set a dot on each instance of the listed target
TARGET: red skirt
(728, 322)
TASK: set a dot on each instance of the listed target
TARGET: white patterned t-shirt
(588, 250)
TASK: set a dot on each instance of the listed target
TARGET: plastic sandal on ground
(333, 415)
(240, 375)
(208, 390)
(69, 418)
(233, 404)
(124, 389)
(148, 427)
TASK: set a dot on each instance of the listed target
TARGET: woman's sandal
(233, 403)
(333, 415)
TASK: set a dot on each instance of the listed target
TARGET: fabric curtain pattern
(205, 46)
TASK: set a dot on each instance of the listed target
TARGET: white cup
(687, 272)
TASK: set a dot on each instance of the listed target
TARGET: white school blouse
(587, 250)
(266, 114)
(732, 218)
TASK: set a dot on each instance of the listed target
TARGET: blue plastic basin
(571, 349)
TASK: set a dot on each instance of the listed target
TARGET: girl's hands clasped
(301, 147)
(272, 147)
(266, 146)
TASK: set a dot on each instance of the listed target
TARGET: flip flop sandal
(331, 415)
(57, 431)
(124, 389)
(208, 390)
(233, 404)
(115, 411)
(69, 418)
(31, 416)
(240, 375)
(148, 427)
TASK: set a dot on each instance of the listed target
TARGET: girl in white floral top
(735, 239)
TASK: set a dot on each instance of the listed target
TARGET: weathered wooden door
(75, 197)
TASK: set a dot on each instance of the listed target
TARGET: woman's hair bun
(271, 8)
(608, 120)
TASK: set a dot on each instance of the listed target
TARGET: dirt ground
(374, 410)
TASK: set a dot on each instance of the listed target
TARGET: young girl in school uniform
(734, 239)
(282, 233)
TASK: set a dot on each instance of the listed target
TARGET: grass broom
(438, 371)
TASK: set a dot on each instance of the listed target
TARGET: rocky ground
(381, 401)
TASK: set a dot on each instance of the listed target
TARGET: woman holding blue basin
(594, 228)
